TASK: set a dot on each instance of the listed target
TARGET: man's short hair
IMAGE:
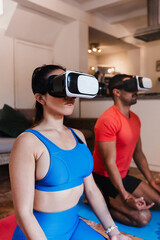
(115, 81)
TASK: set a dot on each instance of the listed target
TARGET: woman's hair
(39, 85)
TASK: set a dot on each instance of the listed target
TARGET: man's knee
(156, 206)
(142, 218)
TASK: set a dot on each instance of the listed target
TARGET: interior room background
(33, 33)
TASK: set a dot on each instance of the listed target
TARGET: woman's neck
(51, 122)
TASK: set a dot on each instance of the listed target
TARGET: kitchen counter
(154, 95)
(149, 96)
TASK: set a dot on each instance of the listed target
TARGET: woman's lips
(69, 103)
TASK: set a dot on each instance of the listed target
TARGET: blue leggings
(64, 225)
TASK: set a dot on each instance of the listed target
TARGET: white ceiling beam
(134, 41)
(50, 8)
(95, 4)
(64, 11)
(130, 15)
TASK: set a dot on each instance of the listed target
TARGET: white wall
(134, 65)
(94, 108)
(119, 60)
(148, 111)
(25, 62)
(92, 62)
(152, 54)
(33, 26)
(18, 59)
(124, 62)
(71, 45)
(6, 71)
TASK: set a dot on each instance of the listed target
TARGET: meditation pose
(117, 141)
(50, 168)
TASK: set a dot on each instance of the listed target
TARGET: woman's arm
(22, 176)
(98, 204)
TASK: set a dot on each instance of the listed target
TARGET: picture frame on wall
(158, 66)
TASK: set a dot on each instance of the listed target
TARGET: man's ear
(40, 98)
(116, 92)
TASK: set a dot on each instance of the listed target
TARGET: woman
(50, 167)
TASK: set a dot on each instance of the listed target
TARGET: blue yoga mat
(149, 232)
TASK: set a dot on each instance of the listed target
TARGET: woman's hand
(119, 237)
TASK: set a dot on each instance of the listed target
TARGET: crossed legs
(124, 214)
(119, 209)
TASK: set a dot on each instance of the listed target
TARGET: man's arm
(107, 151)
(142, 164)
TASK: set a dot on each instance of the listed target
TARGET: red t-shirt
(112, 125)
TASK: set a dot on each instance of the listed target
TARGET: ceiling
(112, 23)
(108, 43)
(129, 14)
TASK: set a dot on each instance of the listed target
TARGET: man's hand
(155, 183)
(137, 203)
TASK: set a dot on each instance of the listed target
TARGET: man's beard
(130, 102)
(134, 99)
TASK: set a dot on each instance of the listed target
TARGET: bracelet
(108, 230)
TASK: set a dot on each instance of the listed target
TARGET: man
(117, 141)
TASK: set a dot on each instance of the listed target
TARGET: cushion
(87, 133)
(12, 122)
(7, 227)
(6, 144)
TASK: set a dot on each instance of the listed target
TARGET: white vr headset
(143, 83)
(135, 84)
(73, 84)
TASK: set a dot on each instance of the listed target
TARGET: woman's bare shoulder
(25, 140)
(80, 134)
(25, 137)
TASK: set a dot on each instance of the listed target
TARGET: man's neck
(123, 109)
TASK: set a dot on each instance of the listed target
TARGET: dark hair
(39, 85)
(97, 74)
(115, 81)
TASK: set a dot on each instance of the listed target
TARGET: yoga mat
(149, 232)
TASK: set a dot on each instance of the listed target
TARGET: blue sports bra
(67, 167)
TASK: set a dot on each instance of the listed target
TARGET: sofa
(15, 121)
(12, 123)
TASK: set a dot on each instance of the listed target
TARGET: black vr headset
(73, 84)
(135, 84)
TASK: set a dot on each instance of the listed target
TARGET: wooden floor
(6, 204)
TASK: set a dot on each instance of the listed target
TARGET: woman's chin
(68, 113)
